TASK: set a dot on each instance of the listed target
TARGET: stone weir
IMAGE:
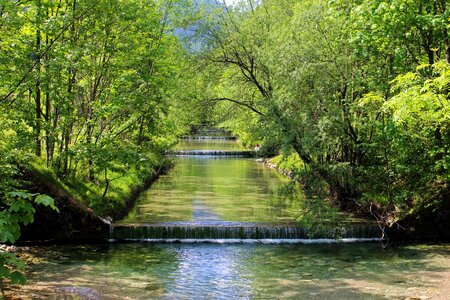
(239, 231)
(207, 137)
(231, 153)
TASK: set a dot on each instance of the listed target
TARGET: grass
(122, 187)
(289, 163)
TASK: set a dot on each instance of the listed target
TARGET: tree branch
(24, 78)
(239, 103)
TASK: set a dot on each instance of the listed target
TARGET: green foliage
(289, 162)
(421, 104)
(18, 209)
(359, 90)
(92, 89)
(420, 113)
(46, 201)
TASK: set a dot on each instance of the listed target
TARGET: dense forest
(355, 94)
(87, 89)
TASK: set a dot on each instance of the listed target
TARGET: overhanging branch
(239, 103)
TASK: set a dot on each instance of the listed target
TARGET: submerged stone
(83, 292)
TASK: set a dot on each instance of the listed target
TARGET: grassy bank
(108, 196)
(315, 209)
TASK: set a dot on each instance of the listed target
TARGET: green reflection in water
(230, 189)
(247, 271)
(224, 189)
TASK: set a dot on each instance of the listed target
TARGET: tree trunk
(37, 96)
(37, 125)
(90, 130)
(105, 191)
(141, 131)
(67, 134)
(446, 45)
(54, 137)
(441, 8)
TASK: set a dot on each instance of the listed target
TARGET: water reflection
(201, 211)
(199, 189)
(230, 189)
(196, 144)
(246, 271)
(203, 274)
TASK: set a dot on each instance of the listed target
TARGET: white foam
(256, 241)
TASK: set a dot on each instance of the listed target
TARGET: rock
(83, 292)
(7, 248)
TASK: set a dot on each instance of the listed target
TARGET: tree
(90, 80)
(317, 78)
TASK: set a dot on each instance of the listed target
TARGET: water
(208, 144)
(242, 271)
(213, 153)
(210, 188)
(211, 194)
(223, 229)
(207, 188)
(262, 232)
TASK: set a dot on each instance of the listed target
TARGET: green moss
(121, 188)
(38, 168)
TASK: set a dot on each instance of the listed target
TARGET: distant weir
(227, 138)
(236, 232)
(233, 153)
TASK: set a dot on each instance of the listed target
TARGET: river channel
(232, 190)
(214, 188)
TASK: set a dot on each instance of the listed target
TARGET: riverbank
(81, 218)
(422, 224)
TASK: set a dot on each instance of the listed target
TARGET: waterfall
(205, 137)
(233, 153)
(239, 232)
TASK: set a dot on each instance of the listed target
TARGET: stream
(222, 226)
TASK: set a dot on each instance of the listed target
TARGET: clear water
(219, 191)
(244, 271)
(216, 189)
(240, 190)
(208, 189)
